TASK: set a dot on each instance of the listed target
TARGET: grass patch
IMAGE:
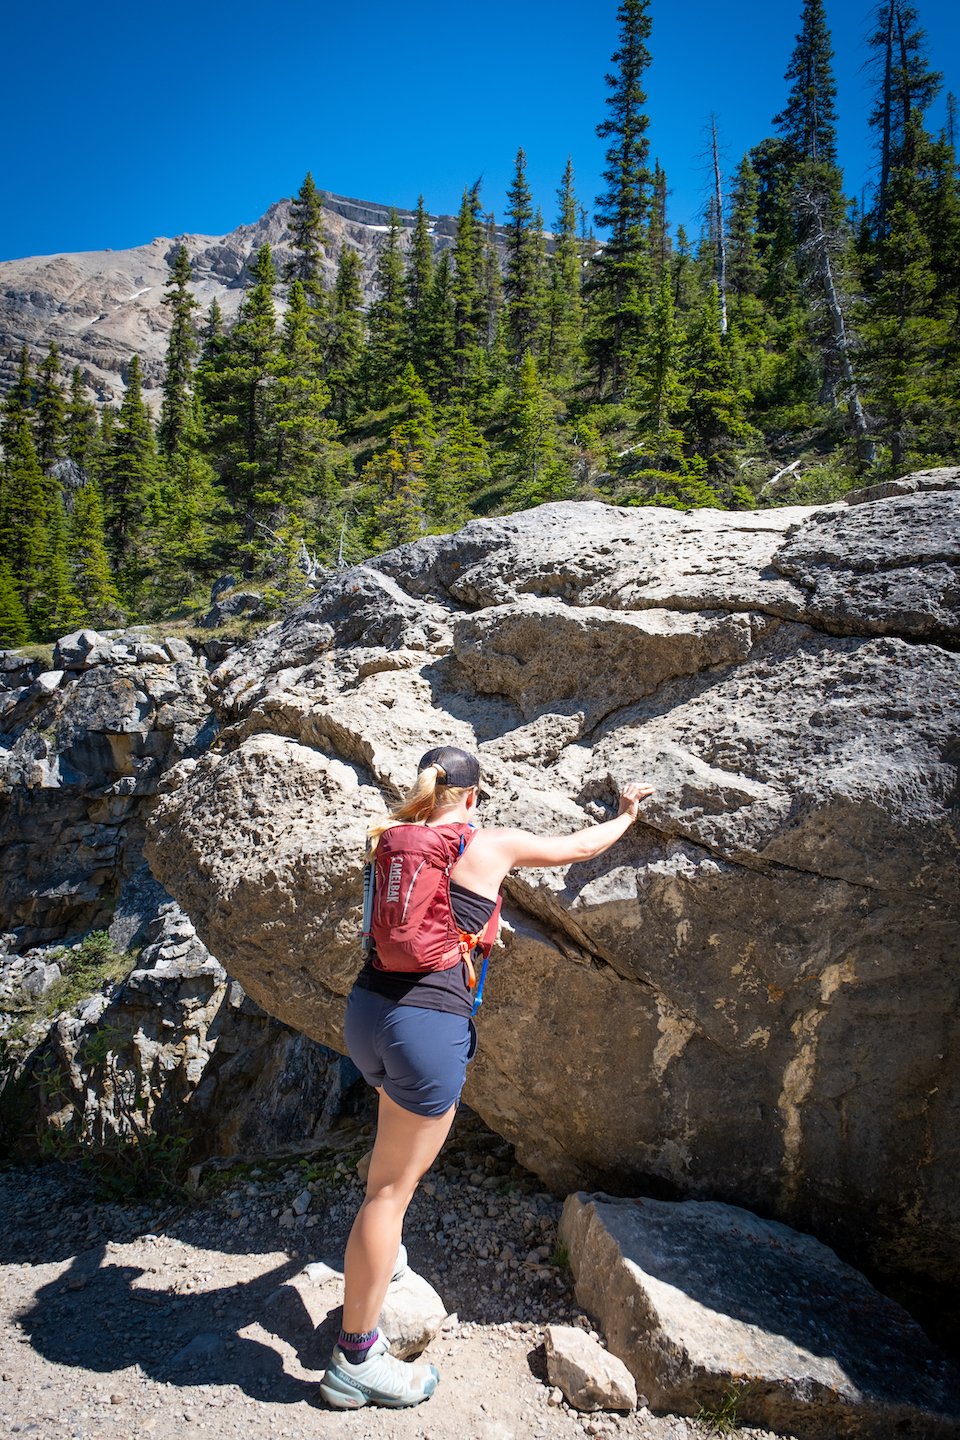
(723, 1418)
(85, 971)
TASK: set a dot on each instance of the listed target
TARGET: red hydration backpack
(412, 923)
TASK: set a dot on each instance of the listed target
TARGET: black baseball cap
(458, 767)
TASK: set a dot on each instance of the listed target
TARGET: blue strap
(483, 975)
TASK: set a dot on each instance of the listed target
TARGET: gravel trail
(160, 1319)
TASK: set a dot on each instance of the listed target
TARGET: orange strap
(469, 943)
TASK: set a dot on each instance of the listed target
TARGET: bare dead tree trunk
(818, 244)
(720, 236)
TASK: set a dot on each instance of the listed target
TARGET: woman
(411, 1035)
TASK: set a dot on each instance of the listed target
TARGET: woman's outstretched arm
(510, 848)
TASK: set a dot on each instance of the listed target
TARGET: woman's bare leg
(405, 1148)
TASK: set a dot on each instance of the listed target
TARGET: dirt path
(125, 1321)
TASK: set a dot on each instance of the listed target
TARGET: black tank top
(444, 990)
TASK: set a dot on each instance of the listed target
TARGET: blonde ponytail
(419, 803)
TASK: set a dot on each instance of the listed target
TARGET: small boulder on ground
(589, 1376)
(412, 1312)
(698, 1298)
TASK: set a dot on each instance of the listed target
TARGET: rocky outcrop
(177, 1059)
(83, 746)
(705, 1301)
(754, 996)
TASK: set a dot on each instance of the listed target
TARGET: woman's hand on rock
(630, 797)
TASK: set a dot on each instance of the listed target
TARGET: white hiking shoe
(381, 1379)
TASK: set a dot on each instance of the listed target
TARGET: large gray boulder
(701, 1300)
(754, 996)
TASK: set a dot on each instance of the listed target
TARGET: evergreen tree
(25, 505)
(130, 470)
(907, 88)
(394, 488)
(658, 230)
(50, 410)
(620, 278)
(906, 334)
(439, 334)
(522, 283)
(470, 316)
(181, 350)
(81, 423)
(387, 319)
(239, 401)
(419, 284)
(56, 609)
(344, 352)
(745, 272)
(14, 626)
(187, 529)
(658, 395)
(18, 404)
(460, 467)
(715, 419)
(535, 458)
(564, 328)
(92, 580)
(212, 332)
(306, 235)
(808, 121)
(303, 434)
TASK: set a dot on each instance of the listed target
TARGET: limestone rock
(207, 1063)
(82, 748)
(755, 995)
(412, 1314)
(699, 1297)
(589, 1376)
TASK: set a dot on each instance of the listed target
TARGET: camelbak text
(393, 879)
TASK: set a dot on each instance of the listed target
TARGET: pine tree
(81, 423)
(187, 532)
(14, 626)
(181, 350)
(92, 581)
(439, 361)
(303, 434)
(658, 395)
(715, 421)
(25, 505)
(50, 410)
(906, 332)
(906, 90)
(564, 329)
(419, 284)
(387, 319)
(621, 271)
(56, 609)
(460, 467)
(535, 457)
(470, 316)
(18, 404)
(394, 482)
(130, 470)
(808, 121)
(658, 229)
(344, 352)
(238, 386)
(521, 284)
(306, 235)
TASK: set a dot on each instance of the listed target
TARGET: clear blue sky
(122, 122)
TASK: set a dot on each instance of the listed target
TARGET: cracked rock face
(754, 996)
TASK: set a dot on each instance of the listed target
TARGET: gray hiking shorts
(418, 1056)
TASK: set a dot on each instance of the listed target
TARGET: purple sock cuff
(355, 1344)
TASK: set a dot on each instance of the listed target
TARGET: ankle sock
(356, 1345)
